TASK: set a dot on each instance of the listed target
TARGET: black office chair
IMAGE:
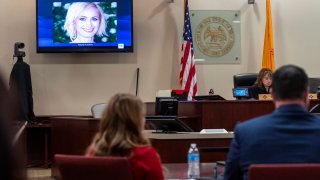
(244, 80)
(314, 84)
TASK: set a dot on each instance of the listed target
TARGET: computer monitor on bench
(166, 106)
(167, 124)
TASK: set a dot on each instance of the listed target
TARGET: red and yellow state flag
(268, 50)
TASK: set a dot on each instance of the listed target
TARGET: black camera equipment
(17, 53)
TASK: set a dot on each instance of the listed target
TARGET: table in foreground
(173, 148)
(180, 170)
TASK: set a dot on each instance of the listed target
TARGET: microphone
(211, 92)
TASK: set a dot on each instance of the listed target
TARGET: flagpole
(188, 78)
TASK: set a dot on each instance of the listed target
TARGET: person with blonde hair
(121, 134)
(83, 21)
(262, 84)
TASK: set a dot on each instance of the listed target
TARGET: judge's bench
(72, 134)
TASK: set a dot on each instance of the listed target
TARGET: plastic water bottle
(215, 172)
(193, 162)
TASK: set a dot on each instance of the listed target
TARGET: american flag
(188, 78)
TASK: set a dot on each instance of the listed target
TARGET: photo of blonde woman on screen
(84, 20)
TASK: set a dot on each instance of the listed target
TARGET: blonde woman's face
(267, 80)
(87, 23)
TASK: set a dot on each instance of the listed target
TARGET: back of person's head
(290, 82)
(11, 161)
(121, 127)
(262, 73)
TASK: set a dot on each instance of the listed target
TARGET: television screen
(166, 106)
(167, 124)
(240, 92)
(84, 26)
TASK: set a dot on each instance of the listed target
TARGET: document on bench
(213, 131)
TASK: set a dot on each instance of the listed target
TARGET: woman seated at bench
(262, 84)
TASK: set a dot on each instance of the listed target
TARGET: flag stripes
(188, 79)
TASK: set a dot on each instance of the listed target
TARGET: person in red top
(121, 134)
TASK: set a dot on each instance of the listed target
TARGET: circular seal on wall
(215, 36)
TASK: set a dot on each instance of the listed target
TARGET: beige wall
(71, 83)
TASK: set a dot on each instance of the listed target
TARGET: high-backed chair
(244, 79)
(314, 84)
(97, 110)
(284, 171)
(77, 167)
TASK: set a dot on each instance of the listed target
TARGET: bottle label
(193, 157)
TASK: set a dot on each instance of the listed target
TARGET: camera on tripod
(17, 53)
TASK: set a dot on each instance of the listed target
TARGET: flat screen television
(240, 92)
(91, 26)
(166, 106)
(167, 124)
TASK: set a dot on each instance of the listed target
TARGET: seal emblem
(214, 36)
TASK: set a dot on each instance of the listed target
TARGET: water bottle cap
(193, 145)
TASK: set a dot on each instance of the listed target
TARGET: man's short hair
(289, 82)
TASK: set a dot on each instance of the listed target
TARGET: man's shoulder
(257, 121)
(316, 118)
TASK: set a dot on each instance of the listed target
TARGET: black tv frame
(237, 92)
(82, 47)
(167, 124)
(166, 106)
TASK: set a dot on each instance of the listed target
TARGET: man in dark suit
(288, 135)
